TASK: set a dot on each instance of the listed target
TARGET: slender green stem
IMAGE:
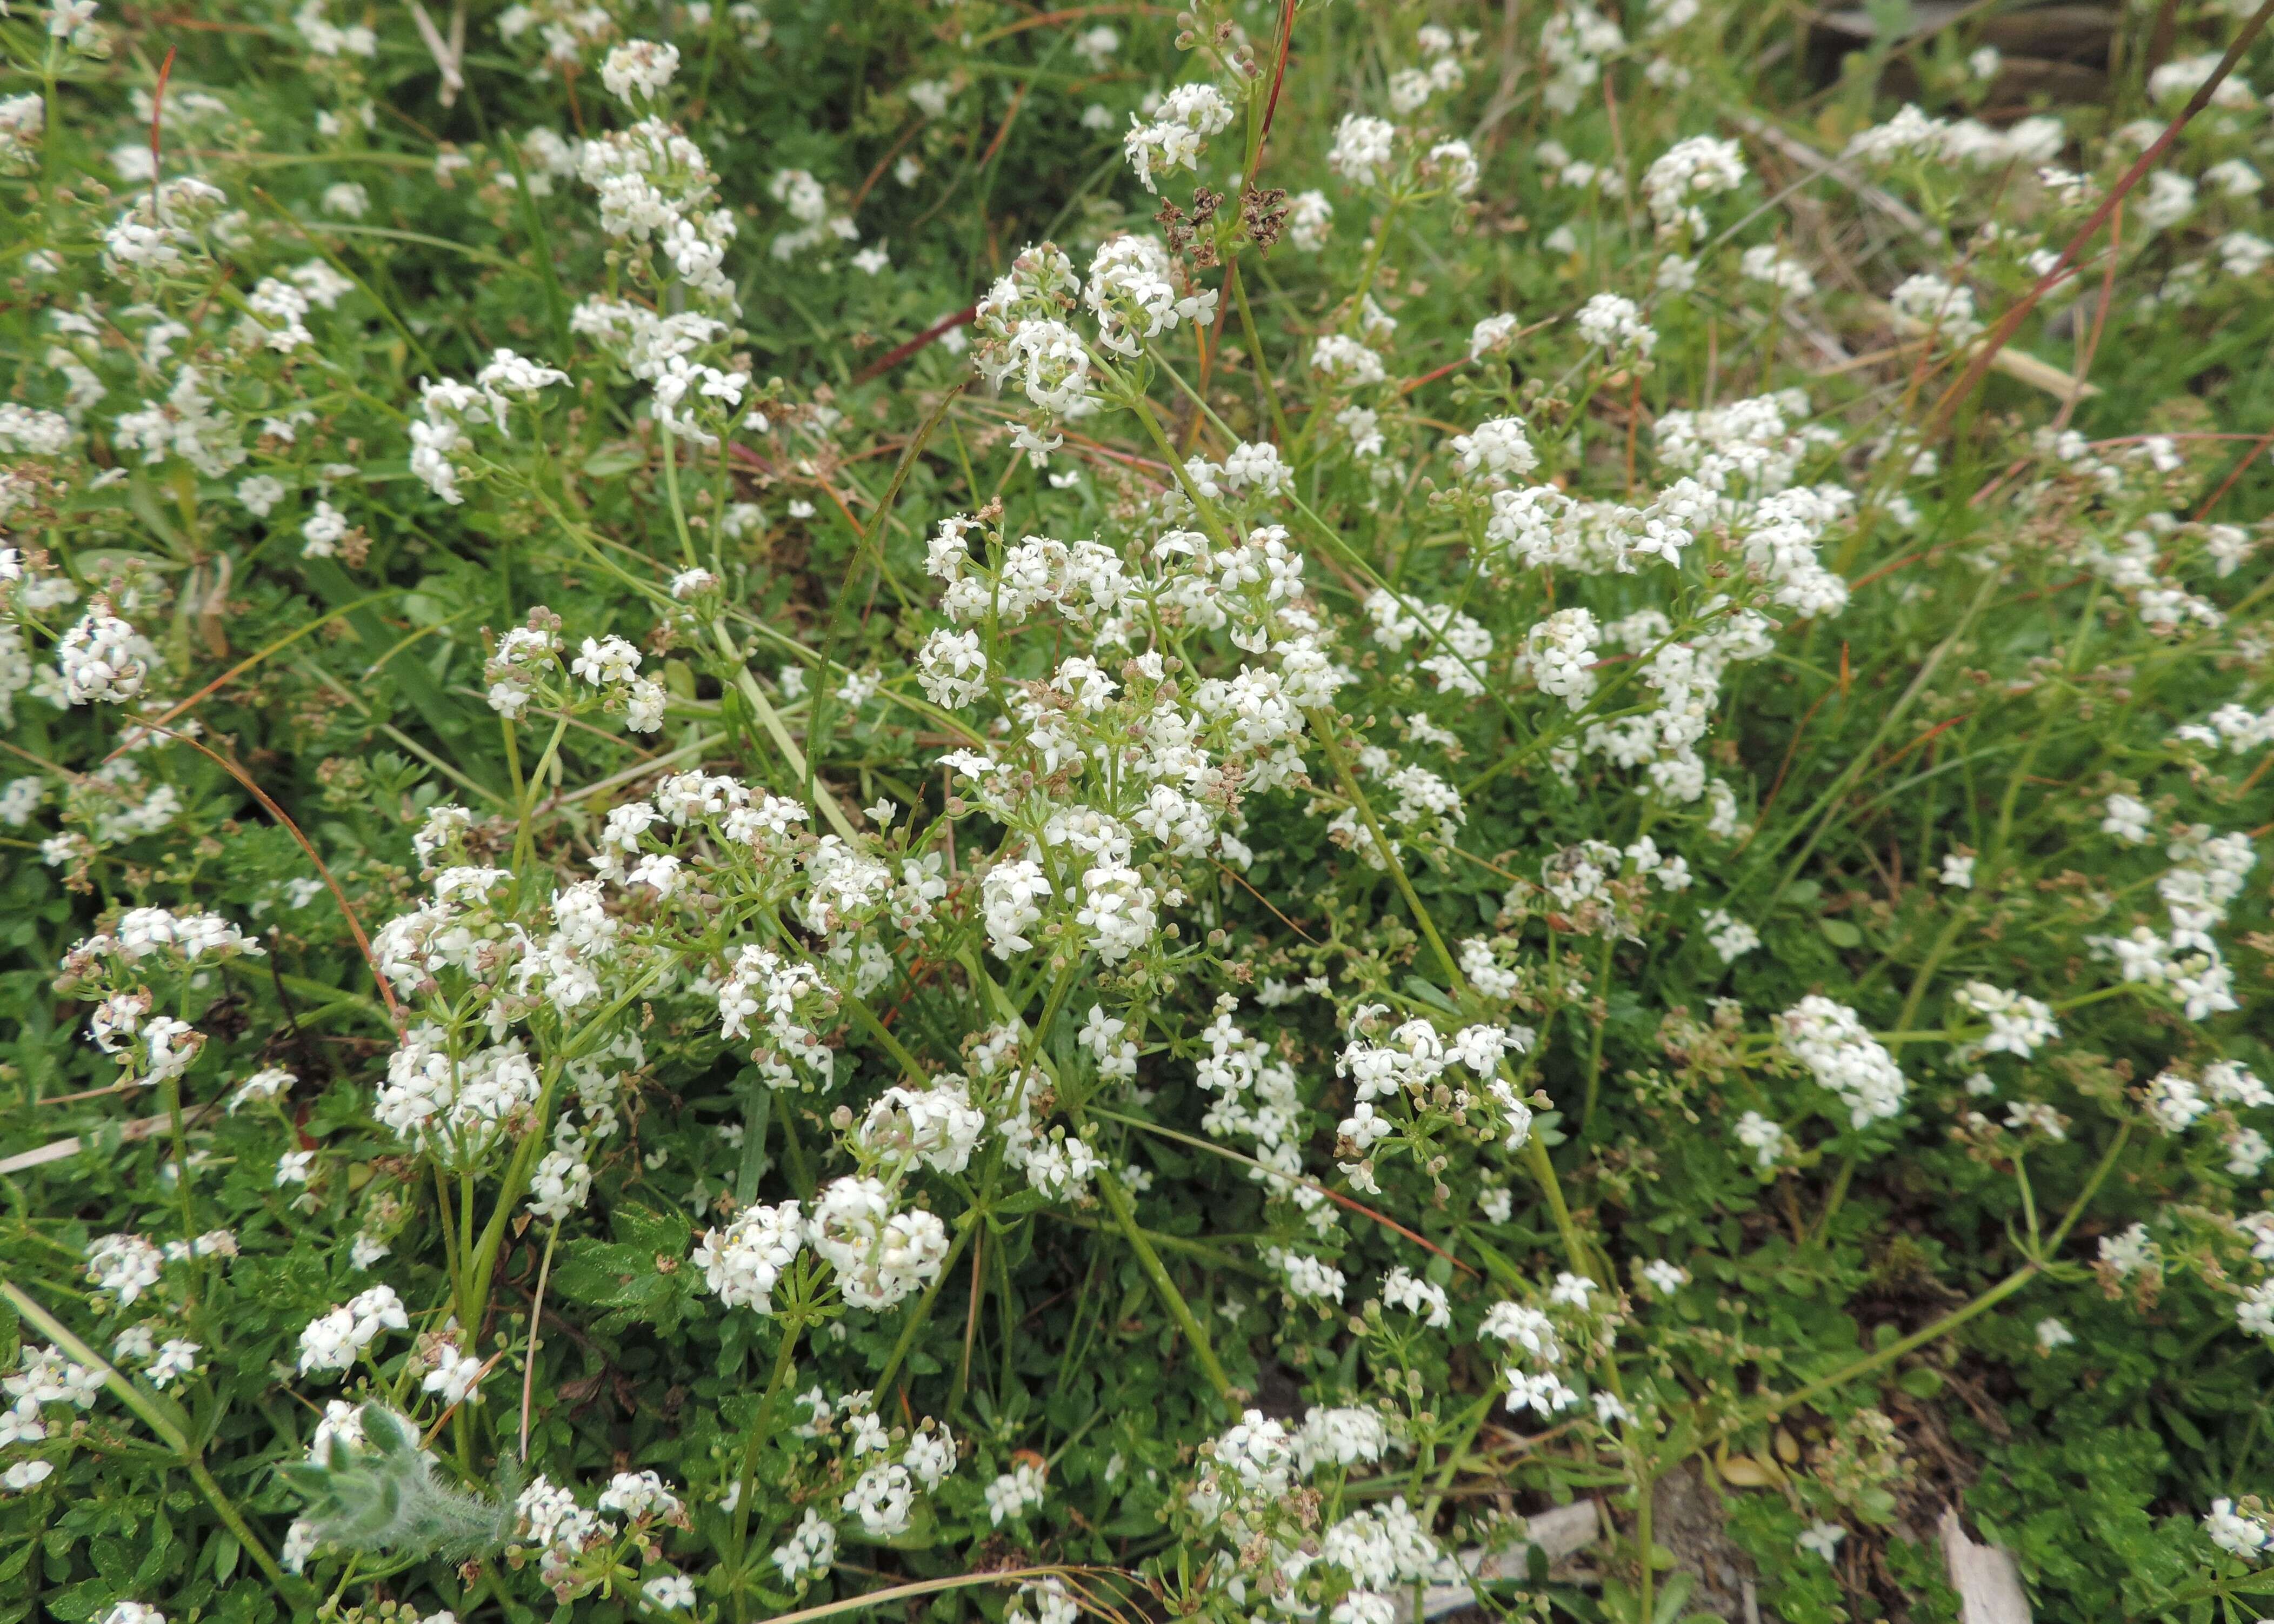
(1264, 380)
(1125, 1218)
(536, 1315)
(1595, 1041)
(922, 1311)
(746, 1483)
(1322, 725)
(824, 801)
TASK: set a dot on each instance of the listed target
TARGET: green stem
(747, 1483)
(1596, 1042)
(1322, 725)
(1247, 333)
(824, 801)
(922, 1309)
(524, 846)
(1124, 1217)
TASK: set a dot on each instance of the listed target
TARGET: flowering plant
(1461, 785)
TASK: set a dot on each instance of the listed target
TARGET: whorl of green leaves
(387, 1495)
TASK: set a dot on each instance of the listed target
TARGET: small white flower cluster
(23, 120)
(1911, 135)
(1944, 308)
(46, 1376)
(657, 191)
(457, 1104)
(1364, 149)
(809, 1551)
(1176, 134)
(442, 450)
(611, 666)
(881, 1254)
(1684, 176)
(1351, 1570)
(2205, 880)
(938, 1125)
(807, 202)
(103, 658)
(1131, 292)
(2019, 1025)
(741, 1263)
(1732, 938)
(2176, 1101)
(895, 1466)
(334, 1341)
(1592, 891)
(1832, 1043)
(1576, 39)
(638, 70)
(1535, 1355)
(796, 1000)
(553, 1524)
(2244, 1529)
(1440, 73)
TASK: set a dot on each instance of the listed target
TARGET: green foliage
(962, 787)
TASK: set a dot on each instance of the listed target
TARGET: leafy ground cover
(968, 811)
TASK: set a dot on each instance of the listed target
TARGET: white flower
(1310, 217)
(883, 1498)
(123, 1265)
(1823, 1539)
(1573, 1290)
(638, 70)
(2019, 1024)
(2051, 1334)
(454, 1375)
(1014, 1494)
(1689, 170)
(1178, 134)
(937, 1125)
(1307, 1278)
(2126, 819)
(1764, 1138)
(29, 1475)
(1615, 324)
(742, 1263)
(335, 1341)
(1731, 938)
(103, 658)
(1011, 893)
(267, 1084)
(1498, 447)
(174, 1360)
(1934, 302)
(638, 1494)
(2174, 1102)
(669, 1592)
(809, 1553)
(951, 668)
(2245, 1534)
(1830, 1041)
(1401, 1289)
(881, 1256)
(1346, 361)
(2130, 1253)
(1363, 149)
